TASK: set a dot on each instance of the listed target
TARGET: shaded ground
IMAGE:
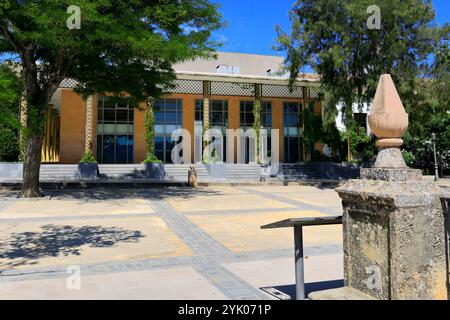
(175, 243)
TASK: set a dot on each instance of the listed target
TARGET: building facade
(217, 93)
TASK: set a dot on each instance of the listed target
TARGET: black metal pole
(436, 166)
(299, 264)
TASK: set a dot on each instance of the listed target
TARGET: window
(168, 118)
(293, 122)
(247, 117)
(199, 110)
(247, 120)
(218, 118)
(218, 114)
(115, 128)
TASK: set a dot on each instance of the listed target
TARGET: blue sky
(251, 23)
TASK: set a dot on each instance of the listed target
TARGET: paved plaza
(175, 243)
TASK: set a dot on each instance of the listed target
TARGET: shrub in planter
(154, 168)
(88, 167)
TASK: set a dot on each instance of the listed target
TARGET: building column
(206, 99)
(257, 114)
(305, 94)
(89, 124)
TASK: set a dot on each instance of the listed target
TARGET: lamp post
(436, 166)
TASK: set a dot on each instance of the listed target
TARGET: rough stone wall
(366, 246)
(418, 264)
(394, 239)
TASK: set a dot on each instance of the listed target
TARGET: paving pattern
(175, 243)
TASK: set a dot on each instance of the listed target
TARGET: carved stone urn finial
(388, 121)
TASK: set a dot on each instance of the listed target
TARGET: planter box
(155, 171)
(217, 170)
(11, 170)
(88, 171)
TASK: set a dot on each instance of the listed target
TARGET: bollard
(192, 178)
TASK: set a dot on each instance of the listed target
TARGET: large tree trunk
(31, 166)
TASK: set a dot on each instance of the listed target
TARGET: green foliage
(334, 39)
(362, 146)
(210, 159)
(408, 157)
(431, 115)
(10, 91)
(9, 146)
(151, 158)
(122, 47)
(313, 125)
(257, 126)
(88, 157)
(150, 130)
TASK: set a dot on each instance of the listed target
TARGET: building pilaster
(23, 118)
(89, 123)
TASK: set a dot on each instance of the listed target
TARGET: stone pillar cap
(387, 117)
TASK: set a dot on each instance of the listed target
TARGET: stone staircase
(298, 171)
(178, 172)
(234, 172)
(58, 171)
(122, 171)
(244, 172)
(318, 170)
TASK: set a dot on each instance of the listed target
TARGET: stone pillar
(89, 126)
(393, 221)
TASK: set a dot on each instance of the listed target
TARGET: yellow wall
(73, 111)
(73, 118)
(139, 134)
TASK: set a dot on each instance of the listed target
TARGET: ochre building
(220, 92)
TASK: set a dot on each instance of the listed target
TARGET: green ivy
(149, 121)
(151, 159)
(88, 157)
(150, 128)
(409, 158)
(257, 126)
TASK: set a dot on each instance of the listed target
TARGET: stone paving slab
(80, 207)
(182, 283)
(280, 273)
(75, 242)
(321, 199)
(188, 243)
(225, 202)
(288, 189)
(243, 233)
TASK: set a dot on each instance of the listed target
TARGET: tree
(334, 38)
(432, 115)
(10, 90)
(121, 47)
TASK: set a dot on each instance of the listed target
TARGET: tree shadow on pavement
(27, 247)
(101, 194)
